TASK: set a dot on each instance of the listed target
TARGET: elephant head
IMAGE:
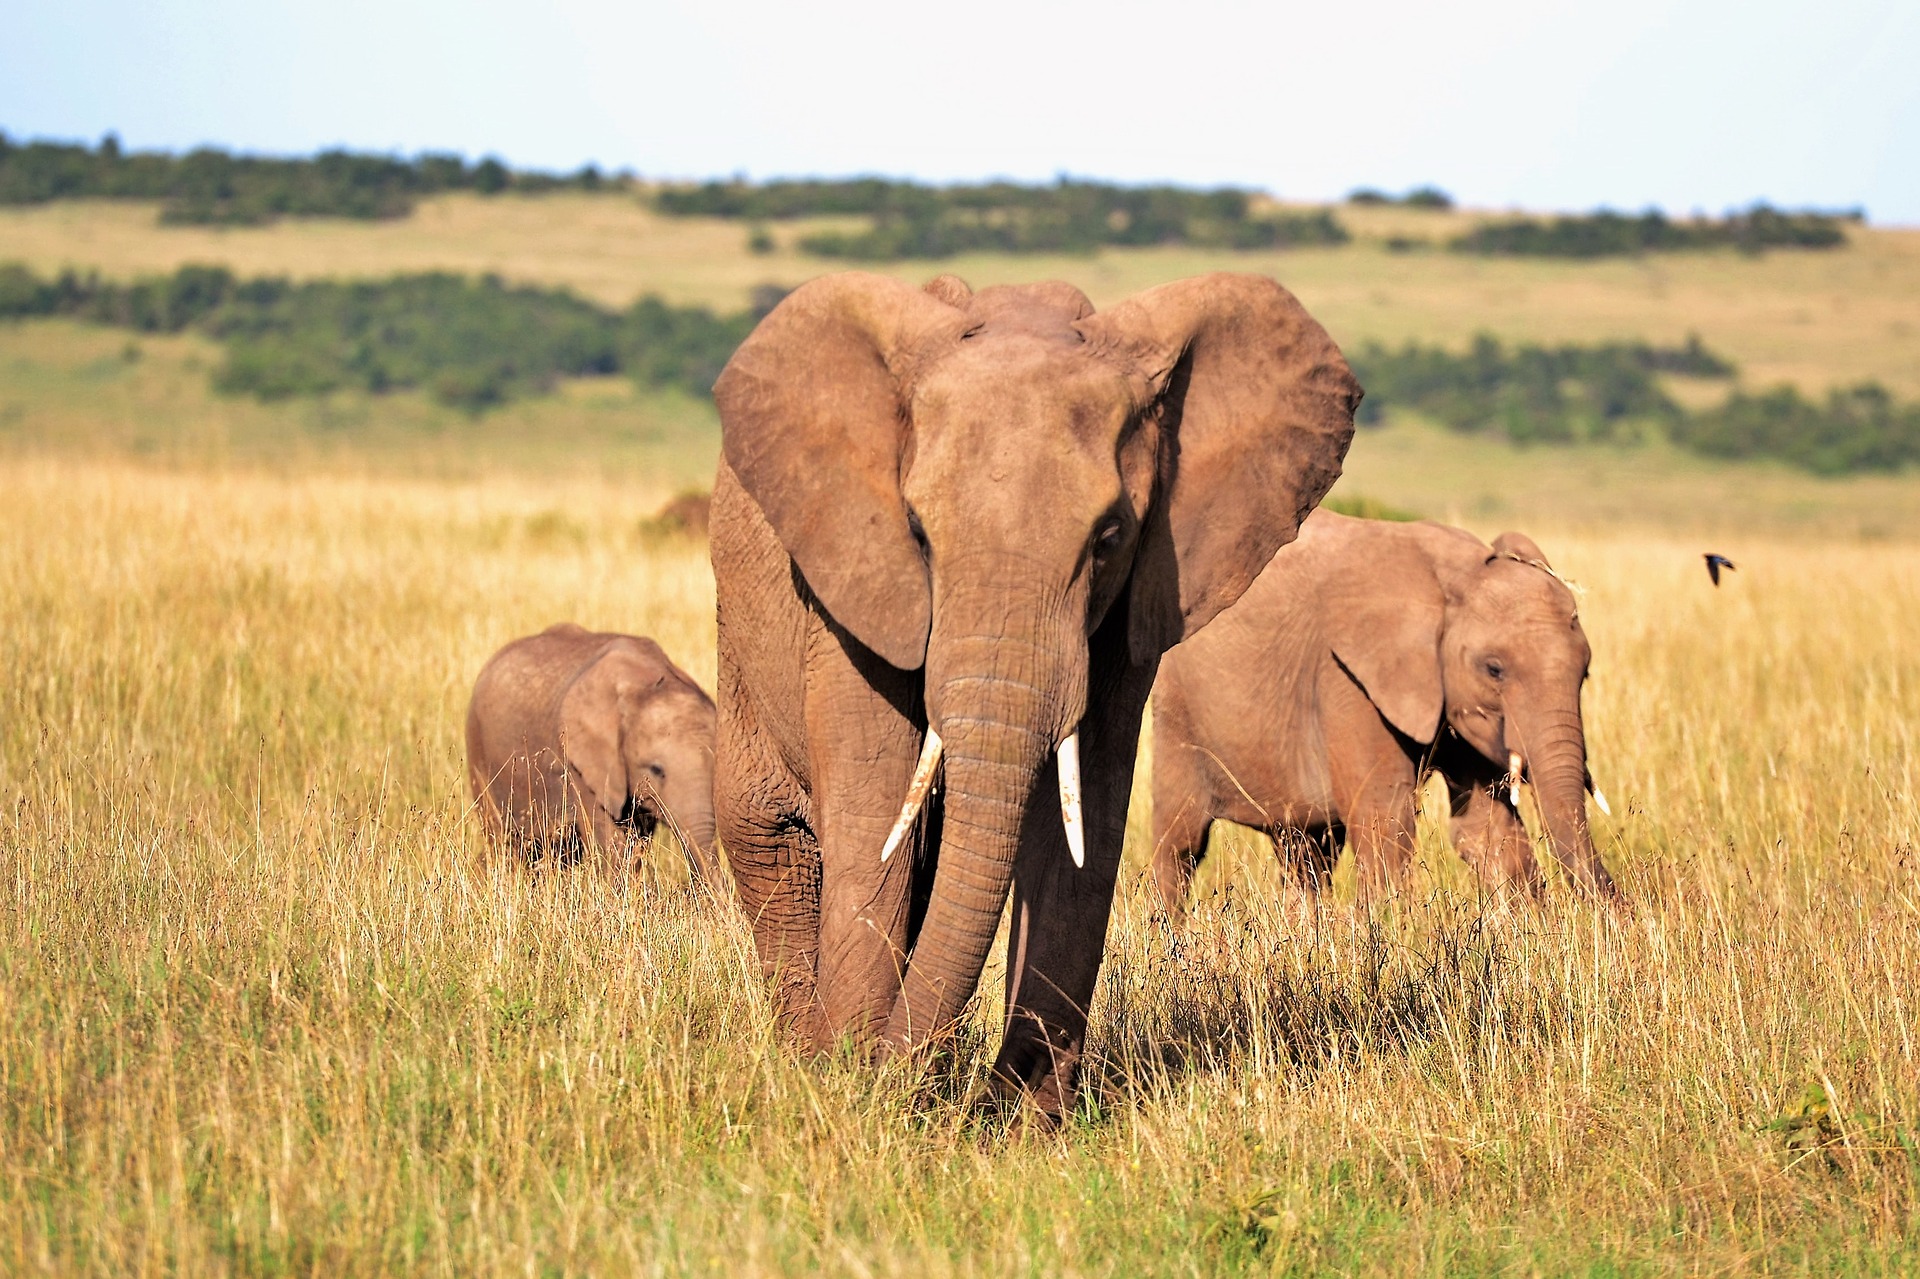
(1502, 662)
(638, 739)
(970, 484)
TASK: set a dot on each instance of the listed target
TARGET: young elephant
(1366, 656)
(582, 740)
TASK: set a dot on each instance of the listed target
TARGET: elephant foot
(1013, 1114)
(1037, 1070)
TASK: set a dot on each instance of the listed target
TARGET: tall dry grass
(265, 1009)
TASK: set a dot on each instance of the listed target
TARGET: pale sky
(1705, 104)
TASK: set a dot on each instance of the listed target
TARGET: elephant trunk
(1000, 705)
(1557, 765)
(696, 841)
(686, 808)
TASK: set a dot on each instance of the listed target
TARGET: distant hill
(905, 220)
(209, 186)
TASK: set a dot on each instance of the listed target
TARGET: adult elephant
(1366, 656)
(960, 528)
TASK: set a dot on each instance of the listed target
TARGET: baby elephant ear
(1257, 406)
(590, 733)
(1377, 599)
(950, 289)
(812, 421)
(1520, 547)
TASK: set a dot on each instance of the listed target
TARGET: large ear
(1256, 405)
(590, 730)
(812, 420)
(1383, 607)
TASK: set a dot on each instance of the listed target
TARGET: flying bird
(1715, 563)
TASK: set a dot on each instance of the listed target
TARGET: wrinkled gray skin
(989, 513)
(583, 741)
(1367, 656)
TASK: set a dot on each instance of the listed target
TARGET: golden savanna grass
(265, 1009)
(1816, 319)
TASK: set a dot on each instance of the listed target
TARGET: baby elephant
(581, 740)
(1366, 656)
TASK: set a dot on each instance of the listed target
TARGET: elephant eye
(656, 770)
(1107, 538)
(1495, 670)
(919, 533)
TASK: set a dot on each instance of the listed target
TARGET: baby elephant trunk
(688, 812)
(1558, 769)
(696, 841)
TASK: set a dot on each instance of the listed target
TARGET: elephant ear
(1520, 547)
(812, 423)
(1384, 607)
(590, 728)
(950, 289)
(1256, 407)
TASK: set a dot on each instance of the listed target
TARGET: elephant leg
(761, 813)
(638, 842)
(1181, 819)
(1489, 835)
(865, 712)
(1374, 780)
(605, 839)
(1382, 808)
(1306, 856)
(1061, 911)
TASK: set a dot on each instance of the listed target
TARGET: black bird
(1715, 563)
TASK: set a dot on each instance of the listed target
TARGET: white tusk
(1514, 765)
(916, 793)
(1600, 801)
(1070, 798)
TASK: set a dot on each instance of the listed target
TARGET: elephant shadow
(1251, 986)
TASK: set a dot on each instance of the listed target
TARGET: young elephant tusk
(916, 793)
(1600, 800)
(1070, 798)
(1514, 765)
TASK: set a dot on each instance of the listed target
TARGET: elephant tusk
(1599, 797)
(1514, 767)
(916, 793)
(1070, 798)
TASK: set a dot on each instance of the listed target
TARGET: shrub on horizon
(210, 186)
(472, 344)
(1605, 233)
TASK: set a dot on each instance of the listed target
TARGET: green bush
(469, 343)
(211, 186)
(1426, 197)
(479, 343)
(1608, 234)
(1860, 428)
(1531, 393)
(912, 220)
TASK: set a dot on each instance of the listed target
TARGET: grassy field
(71, 390)
(266, 1010)
(1816, 319)
(265, 1007)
